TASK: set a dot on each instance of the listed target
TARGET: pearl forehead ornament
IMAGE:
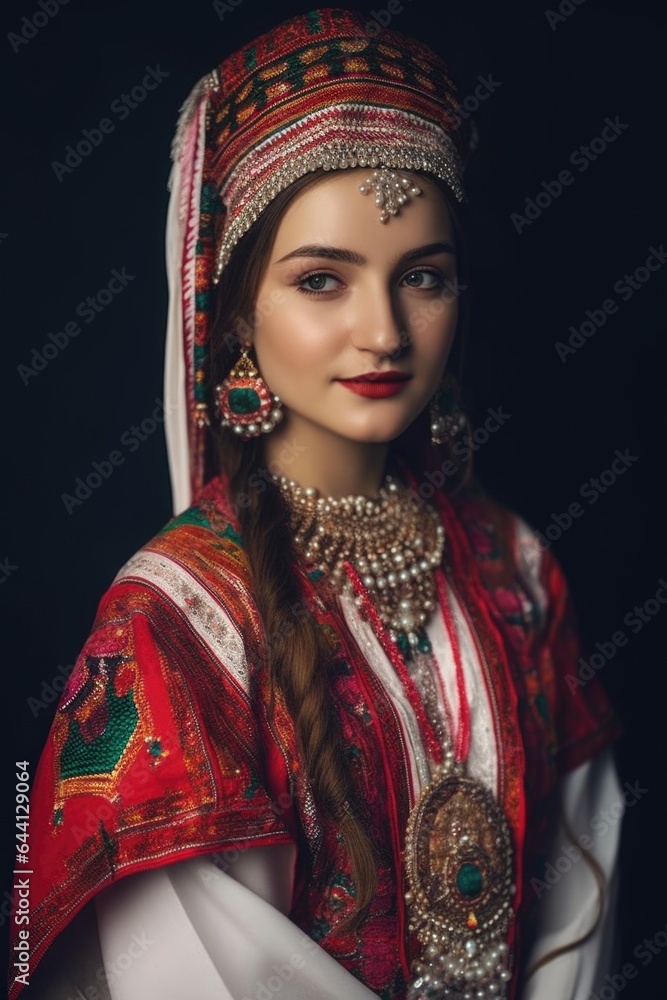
(391, 189)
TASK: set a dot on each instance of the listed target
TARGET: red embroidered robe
(162, 747)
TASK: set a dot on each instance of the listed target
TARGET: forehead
(334, 212)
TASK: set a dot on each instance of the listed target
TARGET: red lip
(378, 377)
(376, 385)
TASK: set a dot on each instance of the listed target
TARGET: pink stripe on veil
(193, 151)
(183, 447)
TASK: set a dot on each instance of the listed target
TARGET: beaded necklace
(392, 543)
(387, 552)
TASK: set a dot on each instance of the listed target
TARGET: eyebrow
(351, 257)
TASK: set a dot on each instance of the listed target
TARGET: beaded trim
(349, 135)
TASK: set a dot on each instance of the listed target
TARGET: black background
(62, 238)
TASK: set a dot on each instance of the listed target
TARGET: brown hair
(298, 655)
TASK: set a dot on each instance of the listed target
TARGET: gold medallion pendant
(458, 861)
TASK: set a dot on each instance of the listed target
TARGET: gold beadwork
(394, 545)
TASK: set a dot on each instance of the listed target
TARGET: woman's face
(344, 297)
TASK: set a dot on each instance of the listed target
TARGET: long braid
(298, 661)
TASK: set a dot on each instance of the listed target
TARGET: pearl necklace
(393, 544)
(458, 855)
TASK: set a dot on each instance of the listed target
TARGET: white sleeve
(593, 804)
(190, 930)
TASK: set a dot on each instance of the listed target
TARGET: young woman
(320, 741)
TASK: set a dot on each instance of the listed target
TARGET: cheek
(295, 340)
(430, 315)
(435, 330)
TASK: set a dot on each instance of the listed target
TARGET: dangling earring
(447, 418)
(244, 402)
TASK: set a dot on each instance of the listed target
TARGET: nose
(377, 323)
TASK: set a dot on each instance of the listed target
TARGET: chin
(379, 433)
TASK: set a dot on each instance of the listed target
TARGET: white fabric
(181, 238)
(190, 930)
(175, 402)
(369, 644)
(208, 617)
(482, 760)
(213, 934)
(228, 939)
(209, 937)
(568, 904)
(529, 555)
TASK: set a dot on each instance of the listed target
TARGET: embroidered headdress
(318, 91)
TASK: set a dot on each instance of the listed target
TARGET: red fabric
(319, 60)
(162, 747)
(560, 730)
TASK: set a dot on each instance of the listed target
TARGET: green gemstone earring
(244, 402)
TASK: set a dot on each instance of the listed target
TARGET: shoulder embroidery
(219, 630)
(102, 722)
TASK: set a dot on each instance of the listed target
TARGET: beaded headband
(315, 92)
